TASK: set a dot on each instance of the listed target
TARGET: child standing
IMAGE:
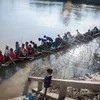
(47, 81)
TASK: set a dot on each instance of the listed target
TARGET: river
(25, 20)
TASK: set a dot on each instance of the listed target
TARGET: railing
(63, 84)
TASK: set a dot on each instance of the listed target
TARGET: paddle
(12, 60)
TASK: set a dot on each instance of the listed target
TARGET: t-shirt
(43, 40)
(49, 38)
(6, 53)
(17, 48)
(47, 81)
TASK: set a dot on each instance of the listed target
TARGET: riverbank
(85, 94)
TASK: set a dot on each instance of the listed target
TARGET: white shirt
(6, 52)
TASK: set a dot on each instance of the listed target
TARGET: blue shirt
(49, 38)
(17, 48)
(43, 40)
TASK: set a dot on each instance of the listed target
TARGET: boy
(47, 81)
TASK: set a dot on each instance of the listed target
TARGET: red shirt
(12, 55)
(1, 58)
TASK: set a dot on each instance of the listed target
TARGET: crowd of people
(31, 47)
(28, 48)
(20, 51)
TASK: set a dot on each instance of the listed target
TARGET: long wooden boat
(85, 38)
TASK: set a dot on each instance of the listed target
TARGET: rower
(24, 51)
(17, 49)
(59, 36)
(34, 44)
(27, 45)
(6, 54)
(12, 54)
(89, 32)
(31, 49)
(65, 38)
(58, 40)
(43, 40)
(95, 30)
(48, 38)
(49, 41)
(79, 36)
(78, 33)
(1, 57)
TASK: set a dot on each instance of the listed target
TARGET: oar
(12, 60)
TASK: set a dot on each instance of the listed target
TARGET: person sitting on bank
(12, 54)
(17, 49)
(6, 54)
(24, 52)
(1, 57)
(47, 81)
(48, 38)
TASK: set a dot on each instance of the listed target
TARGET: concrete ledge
(73, 83)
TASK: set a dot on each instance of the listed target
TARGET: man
(43, 40)
(48, 38)
(34, 44)
(58, 40)
(17, 49)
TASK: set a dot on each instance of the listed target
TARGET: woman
(31, 50)
(1, 57)
(12, 54)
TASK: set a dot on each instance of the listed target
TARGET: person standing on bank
(47, 81)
